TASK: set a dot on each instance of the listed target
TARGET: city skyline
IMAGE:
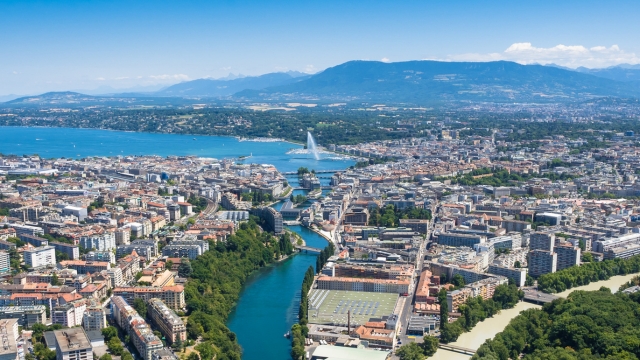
(74, 45)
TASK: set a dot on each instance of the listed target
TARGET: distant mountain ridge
(410, 82)
(224, 87)
(427, 81)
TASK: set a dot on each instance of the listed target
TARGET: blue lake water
(269, 301)
(79, 143)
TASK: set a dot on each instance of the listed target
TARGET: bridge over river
(308, 249)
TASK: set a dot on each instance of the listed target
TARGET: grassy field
(331, 306)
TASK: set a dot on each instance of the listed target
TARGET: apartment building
(542, 241)
(69, 314)
(170, 324)
(102, 242)
(83, 266)
(72, 251)
(172, 296)
(518, 275)
(542, 262)
(40, 257)
(94, 318)
(73, 344)
(453, 239)
(5, 262)
(568, 255)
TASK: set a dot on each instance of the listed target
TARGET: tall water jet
(311, 146)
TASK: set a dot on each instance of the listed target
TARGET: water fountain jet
(311, 146)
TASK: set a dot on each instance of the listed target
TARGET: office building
(356, 284)
(453, 239)
(26, 316)
(40, 257)
(106, 256)
(170, 324)
(542, 262)
(73, 344)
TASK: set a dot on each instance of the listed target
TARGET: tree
(109, 332)
(185, 270)
(105, 357)
(140, 306)
(458, 280)
(193, 356)
(587, 257)
(54, 280)
(517, 265)
(429, 345)
(115, 346)
(126, 356)
(411, 351)
(168, 265)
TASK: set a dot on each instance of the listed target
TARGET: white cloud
(385, 60)
(572, 56)
(181, 77)
(101, 79)
(310, 69)
(122, 78)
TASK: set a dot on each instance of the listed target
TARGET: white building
(40, 257)
(5, 264)
(102, 242)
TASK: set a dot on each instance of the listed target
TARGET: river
(269, 303)
(492, 326)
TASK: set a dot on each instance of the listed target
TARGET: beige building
(170, 324)
(172, 296)
(73, 344)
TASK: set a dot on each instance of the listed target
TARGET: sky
(146, 44)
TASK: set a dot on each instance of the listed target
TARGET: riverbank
(612, 283)
(269, 303)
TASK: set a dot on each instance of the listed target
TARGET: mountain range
(410, 82)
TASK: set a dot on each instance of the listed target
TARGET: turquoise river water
(269, 301)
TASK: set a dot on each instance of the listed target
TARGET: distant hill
(420, 82)
(74, 99)
(217, 88)
(627, 73)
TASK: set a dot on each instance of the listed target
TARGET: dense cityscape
(428, 237)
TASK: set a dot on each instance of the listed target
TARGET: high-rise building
(542, 262)
(568, 255)
(542, 241)
(5, 262)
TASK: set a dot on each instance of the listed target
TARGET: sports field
(331, 306)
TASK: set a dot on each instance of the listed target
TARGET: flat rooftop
(72, 339)
(330, 307)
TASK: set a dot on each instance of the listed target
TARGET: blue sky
(74, 45)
